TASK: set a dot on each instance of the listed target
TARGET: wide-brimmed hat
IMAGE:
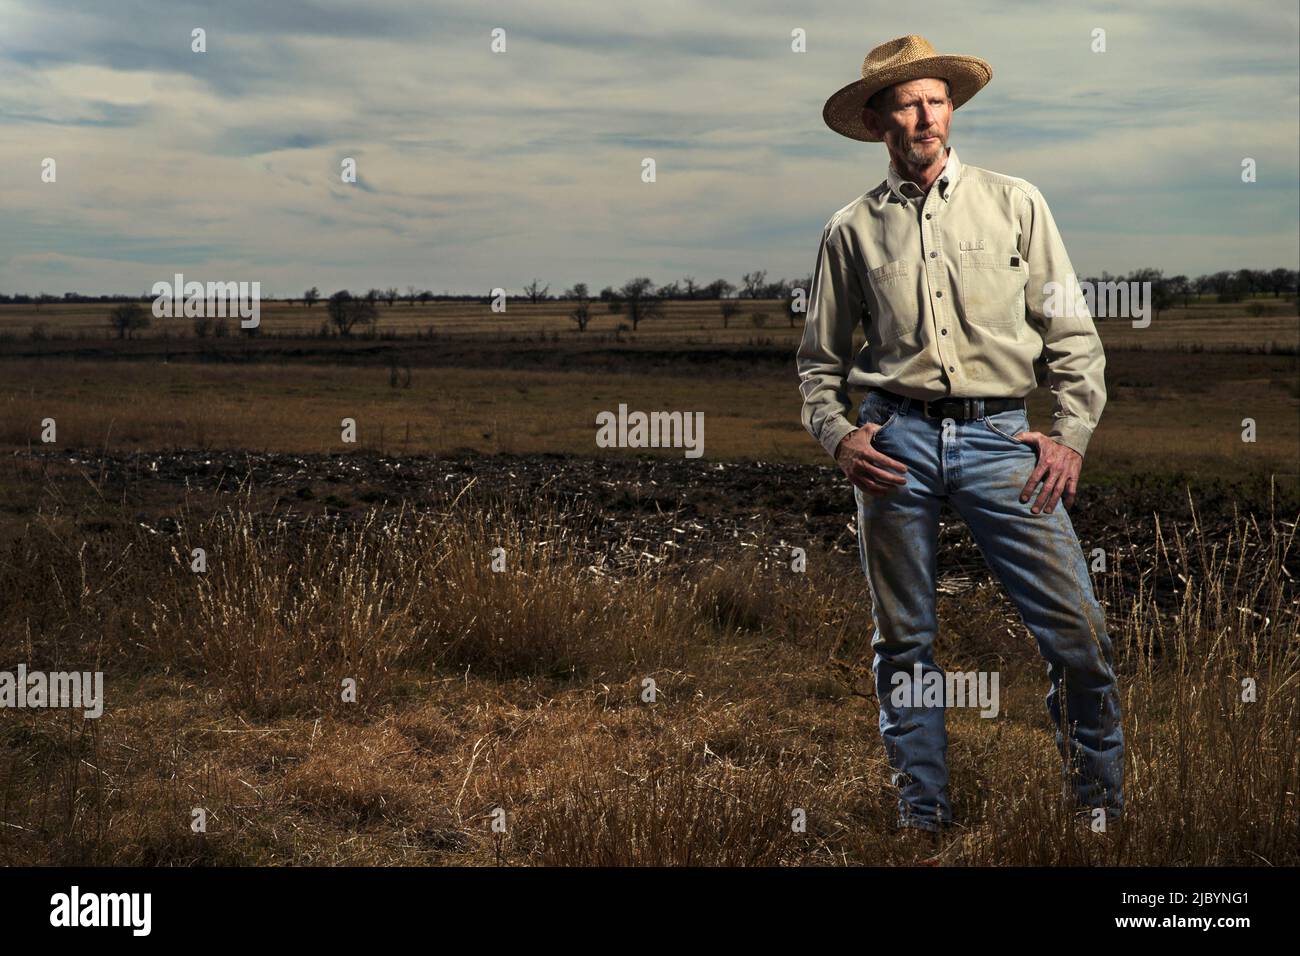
(898, 61)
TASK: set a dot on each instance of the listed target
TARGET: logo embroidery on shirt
(970, 245)
(890, 271)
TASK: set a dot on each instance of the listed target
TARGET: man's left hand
(1058, 470)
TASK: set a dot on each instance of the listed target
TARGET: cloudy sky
(478, 169)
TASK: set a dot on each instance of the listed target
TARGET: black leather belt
(962, 408)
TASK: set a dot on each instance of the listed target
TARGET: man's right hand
(866, 467)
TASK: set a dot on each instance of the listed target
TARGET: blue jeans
(979, 468)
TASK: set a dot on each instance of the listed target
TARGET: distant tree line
(640, 299)
(1227, 286)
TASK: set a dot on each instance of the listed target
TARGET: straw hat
(898, 61)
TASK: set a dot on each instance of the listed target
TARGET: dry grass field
(523, 691)
(520, 695)
(1178, 391)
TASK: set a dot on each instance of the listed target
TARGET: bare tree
(1161, 294)
(411, 292)
(1224, 284)
(310, 296)
(346, 312)
(751, 283)
(581, 312)
(1179, 286)
(535, 291)
(128, 317)
(638, 298)
(729, 308)
(717, 289)
(390, 295)
(1281, 280)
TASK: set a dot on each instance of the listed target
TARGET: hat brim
(843, 111)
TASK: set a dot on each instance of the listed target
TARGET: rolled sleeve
(1054, 306)
(826, 351)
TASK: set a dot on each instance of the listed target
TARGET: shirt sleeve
(826, 352)
(1054, 305)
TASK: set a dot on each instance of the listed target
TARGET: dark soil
(636, 506)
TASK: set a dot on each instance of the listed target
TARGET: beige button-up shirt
(952, 290)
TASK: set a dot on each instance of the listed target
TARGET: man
(949, 269)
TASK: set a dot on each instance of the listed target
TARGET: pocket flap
(990, 260)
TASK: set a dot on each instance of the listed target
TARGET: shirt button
(927, 215)
(938, 295)
(944, 331)
(951, 368)
(933, 254)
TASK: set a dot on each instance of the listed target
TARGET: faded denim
(979, 468)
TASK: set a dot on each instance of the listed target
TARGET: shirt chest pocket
(896, 310)
(992, 289)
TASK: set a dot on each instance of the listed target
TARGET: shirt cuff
(834, 432)
(1071, 433)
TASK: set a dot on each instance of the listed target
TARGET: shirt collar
(905, 189)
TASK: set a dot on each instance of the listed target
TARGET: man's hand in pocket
(872, 471)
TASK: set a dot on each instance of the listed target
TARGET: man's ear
(871, 121)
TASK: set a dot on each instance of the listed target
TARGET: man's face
(914, 123)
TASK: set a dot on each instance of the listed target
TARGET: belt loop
(907, 403)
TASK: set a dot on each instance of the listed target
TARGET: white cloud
(481, 170)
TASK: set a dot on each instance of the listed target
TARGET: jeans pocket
(878, 410)
(1008, 424)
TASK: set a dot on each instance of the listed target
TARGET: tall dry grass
(521, 695)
